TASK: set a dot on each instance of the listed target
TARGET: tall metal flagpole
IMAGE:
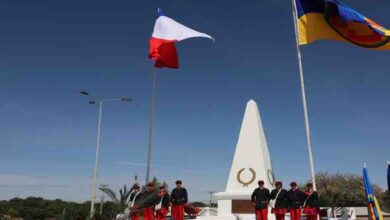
(93, 197)
(151, 117)
(295, 16)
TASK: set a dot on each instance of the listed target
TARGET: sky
(50, 50)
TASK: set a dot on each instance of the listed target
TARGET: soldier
(148, 212)
(179, 199)
(295, 201)
(260, 199)
(279, 195)
(162, 206)
(311, 206)
(134, 197)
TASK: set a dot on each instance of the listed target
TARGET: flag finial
(159, 12)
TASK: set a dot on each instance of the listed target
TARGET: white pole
(93, 197)
(101, 203)
(295, 16)
(151, 117)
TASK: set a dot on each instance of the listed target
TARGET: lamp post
(100, 103)
(211, 197)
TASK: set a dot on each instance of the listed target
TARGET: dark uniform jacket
(261, 198)
(164, 199)
(295, 198)
(132, 197)
(150, 198)
(312, 200)
(281, 201)
(179, 196)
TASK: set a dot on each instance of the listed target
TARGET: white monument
(251, 163)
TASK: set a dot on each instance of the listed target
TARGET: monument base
(237, 205)
(233, 217)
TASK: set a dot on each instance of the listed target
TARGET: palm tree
(341, 190)
(119, 201)
(125, 193)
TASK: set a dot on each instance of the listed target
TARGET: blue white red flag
(388, 176)
(374, 210)
(162, 43)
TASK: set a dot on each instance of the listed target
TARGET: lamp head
(84, 93)
(126, 99)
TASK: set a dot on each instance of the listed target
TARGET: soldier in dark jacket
(260, 199)
(162, 206)
(296, 199)
(148, 209)
(311, 206)
(179, 199)
(280, 196)
(135, 196)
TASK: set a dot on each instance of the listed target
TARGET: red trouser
(148, 213)
(262, 214)
(279, 216)
(311, 212)
(160, 214)
(135, 216)
(295, 214)
(178, 212)
(311, 217)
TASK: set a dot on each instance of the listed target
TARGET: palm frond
(110, 193)
(126, 196)
(120, 194)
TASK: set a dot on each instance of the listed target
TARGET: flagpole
(151, 117)
(295, 16)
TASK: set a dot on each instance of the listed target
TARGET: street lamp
(211, 197)
(100, 102)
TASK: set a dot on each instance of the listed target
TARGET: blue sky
(50, 50)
